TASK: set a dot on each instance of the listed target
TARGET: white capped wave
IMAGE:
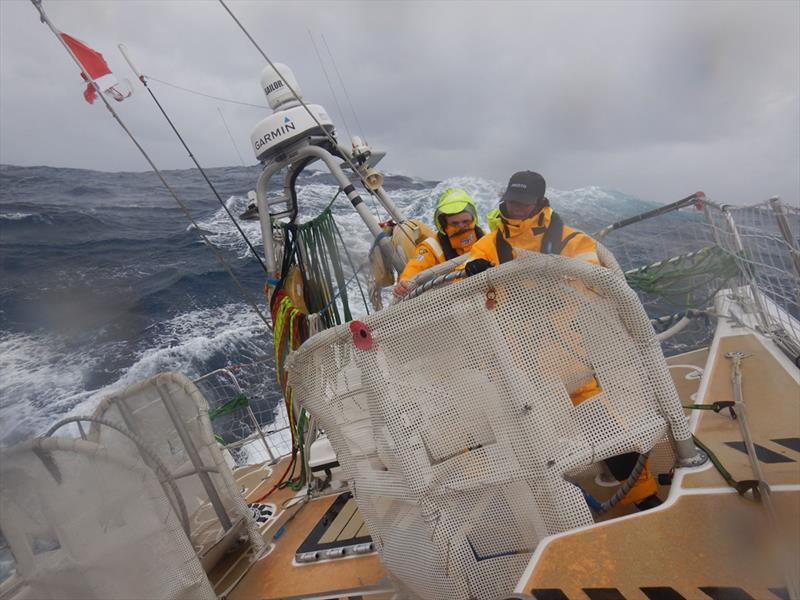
(187, 341)
(16, 216)
(598, 205)
(41, 381)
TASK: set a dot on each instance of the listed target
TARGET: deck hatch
(340, 532)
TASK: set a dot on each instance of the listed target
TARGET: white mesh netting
(248, 420)
(692, 254)
(451, 415)
(767, 258)
(189, 451)
(84, 521)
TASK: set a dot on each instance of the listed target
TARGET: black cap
(525, 187)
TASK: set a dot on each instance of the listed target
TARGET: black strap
(566, 240)
(504, 251)
(447, 247)
(551, 242)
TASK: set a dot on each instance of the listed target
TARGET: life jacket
(552, 242)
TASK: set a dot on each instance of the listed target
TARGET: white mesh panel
(456, 426)
(141, 409)
(87, 522)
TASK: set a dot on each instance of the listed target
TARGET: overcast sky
(653, 99)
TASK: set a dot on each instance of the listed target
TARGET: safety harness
(551, 241)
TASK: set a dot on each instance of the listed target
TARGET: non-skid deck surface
(705, 546)
(772, 399)
(349, 524)
(341, 527)
(684, 374)
(254, 481)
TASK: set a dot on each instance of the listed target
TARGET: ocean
(104, 283)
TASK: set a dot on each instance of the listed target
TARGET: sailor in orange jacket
(456, 218)
(528, 222)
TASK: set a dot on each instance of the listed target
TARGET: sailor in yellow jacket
(528, 222)
(456, 220)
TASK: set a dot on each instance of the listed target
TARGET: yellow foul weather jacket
(432, 251)
(545, 232)
(540, 233)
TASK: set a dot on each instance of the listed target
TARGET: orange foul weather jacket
(437, 249)
(545, 232)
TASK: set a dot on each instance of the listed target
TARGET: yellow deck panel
(772, 398)
(715, 540)
(686, 380)
(354, 525)
(339, 523)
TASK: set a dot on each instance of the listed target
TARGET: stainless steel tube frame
(194, 456)
(746, 271)
(783, 225)
(355, 199)
(264, 218)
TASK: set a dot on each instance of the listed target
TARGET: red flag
(96, 66)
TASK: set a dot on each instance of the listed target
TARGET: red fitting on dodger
(700, 197)
(362, 336)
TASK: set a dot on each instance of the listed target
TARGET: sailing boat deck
(706, 541)
(277, 574)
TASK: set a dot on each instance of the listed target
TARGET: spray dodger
(292, 120)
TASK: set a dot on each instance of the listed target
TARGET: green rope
(740, 486)
(352, 267)
(298, 450)
(685, 280)
(321, 266)
(235, 403)
(318, 255)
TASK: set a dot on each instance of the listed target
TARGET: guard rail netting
(695, 252)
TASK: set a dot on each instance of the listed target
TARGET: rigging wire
(297, 97)
(220, 98)
(230, 135)
(46, 20)
(143, 79)
(330, 85)
(341, 83)
(341, 112)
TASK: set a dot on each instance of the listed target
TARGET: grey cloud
(654, 99)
